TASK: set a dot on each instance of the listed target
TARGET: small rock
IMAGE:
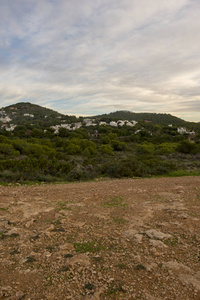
(156, 234)
(159, 244)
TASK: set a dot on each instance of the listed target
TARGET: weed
(87, 247)
(172, 242)
(14, 252)
(50, 248)
(71, 238)
(97, 258)
(89, 286)
(114, 288)
(49, 280)
(62, 205)
(115, 201)
(4, 236)
(30, 259)
(68, 255)
(14, 235)
(34, 238)
(140, 267)
(4, 208)
(122, 266)
(64, 269)
(119, 221)
(56, 222)
(60, 229)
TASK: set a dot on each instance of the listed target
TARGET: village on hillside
(8, 126)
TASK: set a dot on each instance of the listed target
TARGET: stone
(156, 234)
(159, 244)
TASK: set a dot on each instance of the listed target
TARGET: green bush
(8, 150)
(145, 148)
(188, 147)
(106, 149)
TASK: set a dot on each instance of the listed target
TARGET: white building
(29, 115)
(102, 123)
(113, 123)
(183, 130)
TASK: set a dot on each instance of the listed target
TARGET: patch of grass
(30, 259)
(119, 221)
(34, 238)
(13, 235)
(56, 222)
(50, 248)
(3, 208)
(97, 259)
(140, 267)
(114, 288)
(87, 247)
(59, 229)
(180, 173)
(172, 242)
(4, 183)
(71, 238)
(62, 205)
(122, 266)
(68, 255)
(3, 236)
(14, 252)
(89, 286)
(115, 201)
(64, 269)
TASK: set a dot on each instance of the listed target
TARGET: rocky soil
(116, 239)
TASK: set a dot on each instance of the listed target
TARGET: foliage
(34, 152)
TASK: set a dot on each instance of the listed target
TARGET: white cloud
(98, 56)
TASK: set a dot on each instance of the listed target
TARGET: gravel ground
(114, 239)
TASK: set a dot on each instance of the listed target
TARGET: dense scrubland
(32, 155)
(33, 151)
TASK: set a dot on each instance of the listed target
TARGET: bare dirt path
(116, 239)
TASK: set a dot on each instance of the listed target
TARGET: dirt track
(116, 239)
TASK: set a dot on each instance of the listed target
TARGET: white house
(183, 130)
(113, 123)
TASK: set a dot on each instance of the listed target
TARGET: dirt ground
(115, 239)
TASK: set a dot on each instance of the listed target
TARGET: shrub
(187, 147)
(106, 149)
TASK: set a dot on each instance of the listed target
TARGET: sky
(89, 57)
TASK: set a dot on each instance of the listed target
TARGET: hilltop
(25, 113)
(26, 107)
(156, 118)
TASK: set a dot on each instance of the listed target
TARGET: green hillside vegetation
(156, 118)
(33, 152)
(42, 116)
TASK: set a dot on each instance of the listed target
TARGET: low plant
(115, 201)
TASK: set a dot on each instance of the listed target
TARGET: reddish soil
(115, 239)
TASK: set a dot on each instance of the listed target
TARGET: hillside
(25, 113)
(117, 239)
(26, 107)
(157, 118)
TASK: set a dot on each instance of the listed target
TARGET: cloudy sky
(88, 57)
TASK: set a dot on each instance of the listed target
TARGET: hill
(26, 107)
(157, 118)
(25, 113)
